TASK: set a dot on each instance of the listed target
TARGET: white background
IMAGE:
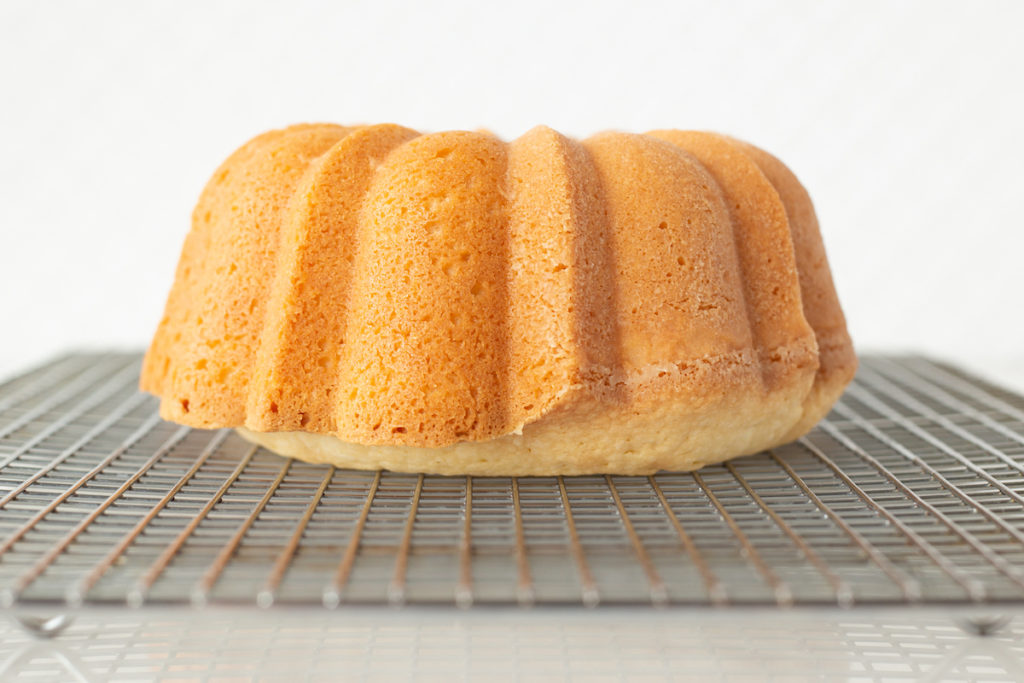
(903, 119)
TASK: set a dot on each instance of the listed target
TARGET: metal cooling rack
(911, 491)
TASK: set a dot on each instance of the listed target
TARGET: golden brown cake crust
(374, 297)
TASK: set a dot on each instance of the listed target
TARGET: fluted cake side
(448, 302)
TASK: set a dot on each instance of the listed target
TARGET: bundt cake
(374, 297)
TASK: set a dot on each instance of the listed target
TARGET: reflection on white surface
(517, 645)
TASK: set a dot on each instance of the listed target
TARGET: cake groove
(595, 288)
(297, 356)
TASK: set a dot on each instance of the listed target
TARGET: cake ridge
(765, 253)
(299, 346)
(543, 350)
(837, 361)
(213, 329)
(446, 377)
(675, 266)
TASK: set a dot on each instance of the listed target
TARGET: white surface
(903, 119)
(589, 646)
